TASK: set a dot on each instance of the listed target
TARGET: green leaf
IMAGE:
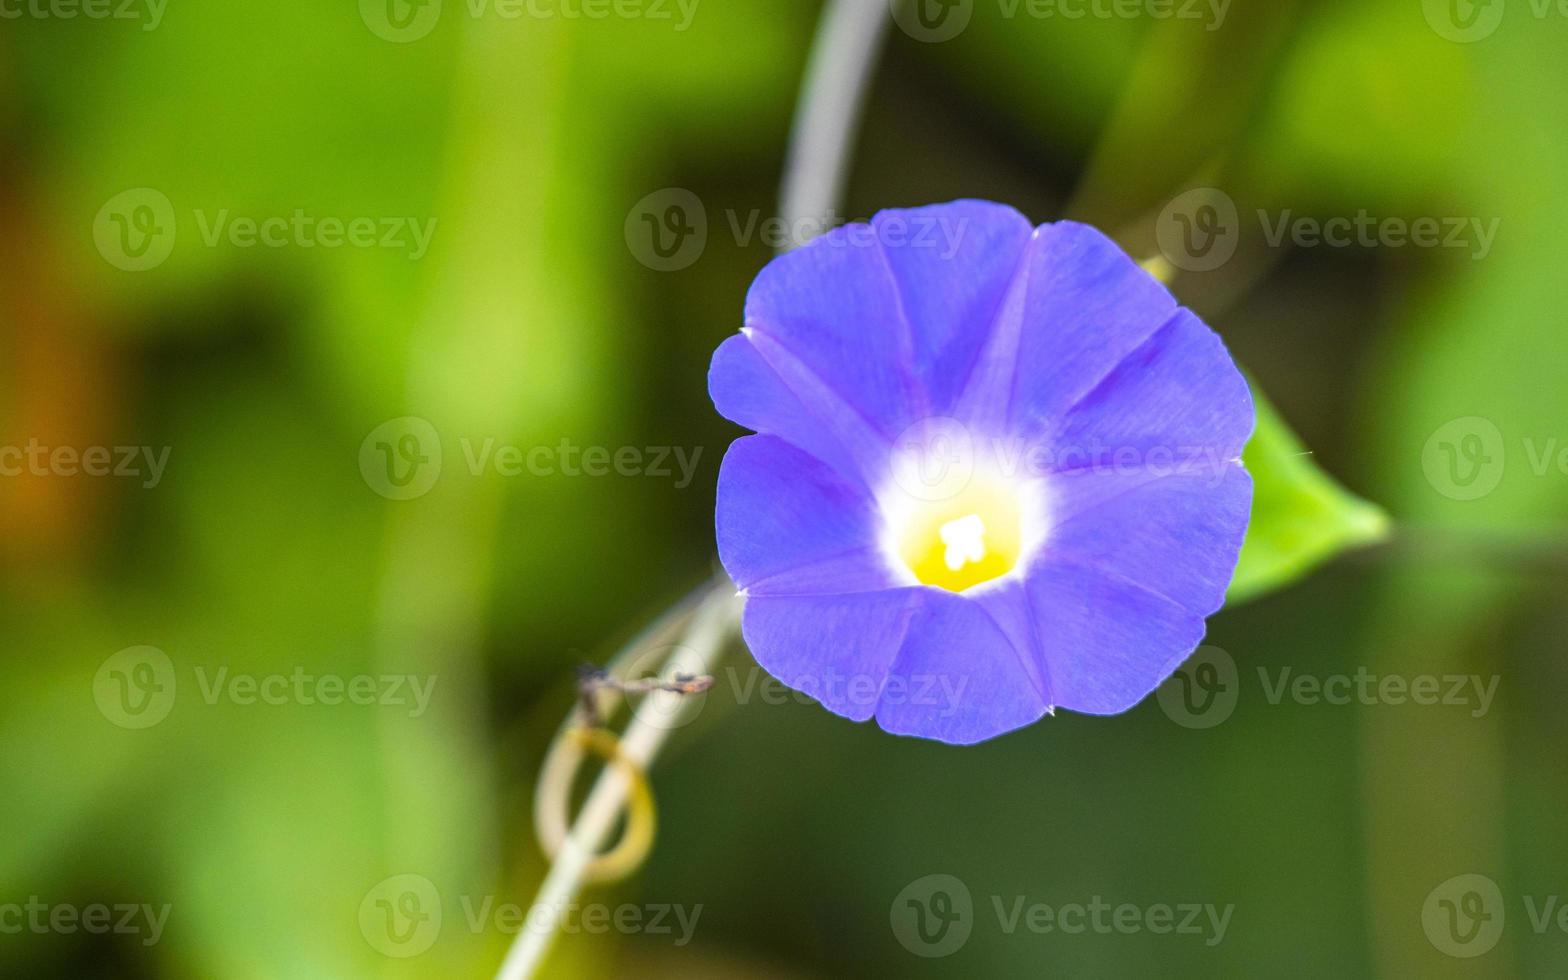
(1300, 516)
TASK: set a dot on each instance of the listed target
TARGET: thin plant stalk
(843, 57)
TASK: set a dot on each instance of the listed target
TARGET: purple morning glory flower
(996, 472)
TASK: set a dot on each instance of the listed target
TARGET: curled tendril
(641, 820)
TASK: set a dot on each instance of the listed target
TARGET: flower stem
(639, 744)
(843, 55)
(828, 114)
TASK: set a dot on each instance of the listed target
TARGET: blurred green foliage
(262, 550)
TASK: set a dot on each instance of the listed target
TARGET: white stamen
(965, 540)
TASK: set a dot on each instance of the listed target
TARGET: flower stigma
(964, 540)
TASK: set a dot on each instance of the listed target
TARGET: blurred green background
(535, 316)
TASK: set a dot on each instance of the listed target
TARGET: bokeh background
(536, 315)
